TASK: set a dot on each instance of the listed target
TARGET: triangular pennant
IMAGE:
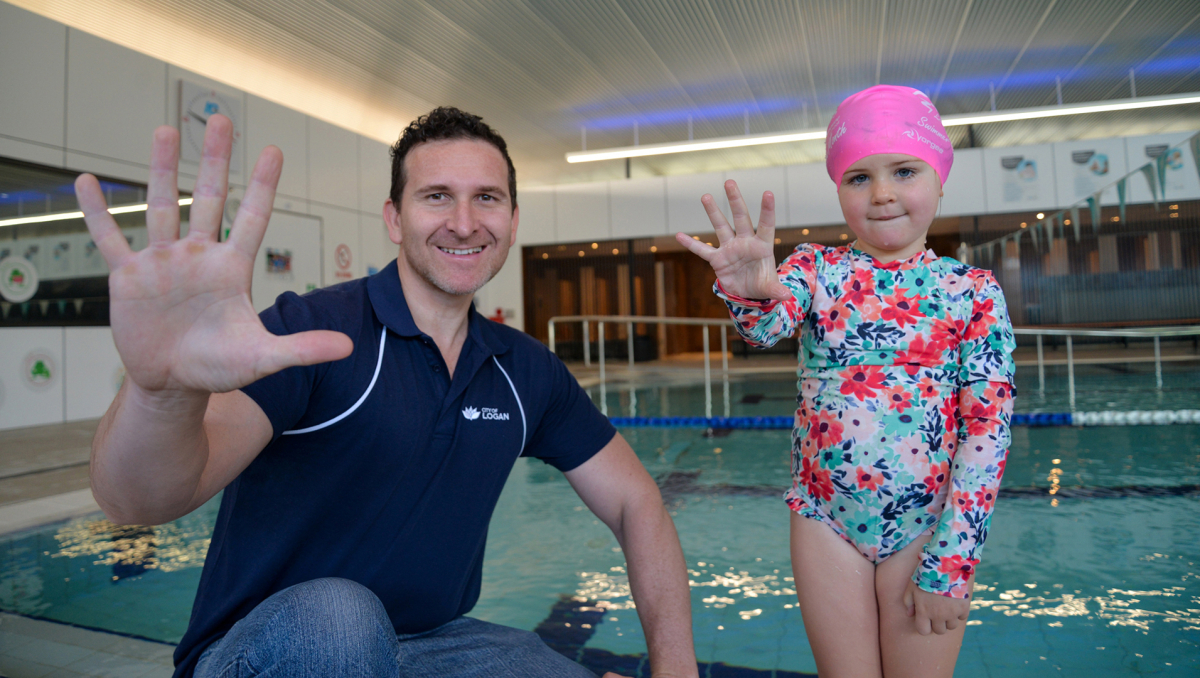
(1017, 241)
(1148, 172)
(1194, 142)
(1121, 197)
(1075, 221)
(1160, 163)
(78, 306)
(1093, 202)
(1033, 233)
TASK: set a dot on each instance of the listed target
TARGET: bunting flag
(1093, 202)
(1148, 172)
(1194, 142)
(1075, 221)
(1121, 197)
(1056, 220)
(1017, 242)
(1160, 163)
(1033, 233)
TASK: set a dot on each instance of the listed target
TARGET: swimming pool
(1091, 565)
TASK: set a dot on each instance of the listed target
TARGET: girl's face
(889, 201)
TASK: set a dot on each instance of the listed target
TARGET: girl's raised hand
(745, 259)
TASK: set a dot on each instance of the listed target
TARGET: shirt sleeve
(763, 323)
(571, 430)
(284, 395)
(985, 407)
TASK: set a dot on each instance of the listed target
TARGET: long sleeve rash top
(906, 397)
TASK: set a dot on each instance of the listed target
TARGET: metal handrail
(1155, 333)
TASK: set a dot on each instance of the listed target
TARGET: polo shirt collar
(387, 298)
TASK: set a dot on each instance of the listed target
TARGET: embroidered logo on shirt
(471, 414)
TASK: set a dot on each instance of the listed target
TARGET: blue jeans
(336, 627)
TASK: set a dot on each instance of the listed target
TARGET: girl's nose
(882, 192)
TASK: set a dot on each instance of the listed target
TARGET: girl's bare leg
(835, 585)
(904, 651)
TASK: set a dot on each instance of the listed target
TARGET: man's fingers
(700, 249)
(737, 207)
(255, 211)
(212, 183)
(766, 219)
(304, 348)
(162, 193)
(100, 224)
(717, 217)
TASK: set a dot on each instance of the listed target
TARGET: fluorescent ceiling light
(63, 216)
(948, 121)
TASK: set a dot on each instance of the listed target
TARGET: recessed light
(1041, 215)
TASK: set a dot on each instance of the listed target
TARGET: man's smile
(461, 251)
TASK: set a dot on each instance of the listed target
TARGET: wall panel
(332, 165)
(639, 207)
(33, 55)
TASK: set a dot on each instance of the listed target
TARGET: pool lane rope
(1106, 418)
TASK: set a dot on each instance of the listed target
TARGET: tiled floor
(30, 648)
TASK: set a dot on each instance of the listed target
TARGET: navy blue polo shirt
(384, 470)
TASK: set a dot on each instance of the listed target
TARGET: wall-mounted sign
(38, 370)
(342, 257)
(279, 261)
(18, 279)
(197, 104)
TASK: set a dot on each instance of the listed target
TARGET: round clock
(196, 106)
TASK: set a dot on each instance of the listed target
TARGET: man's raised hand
(180, 309)
(745, 259)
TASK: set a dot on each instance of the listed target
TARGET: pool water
(1070, 583)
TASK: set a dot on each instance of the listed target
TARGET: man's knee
(320, 627)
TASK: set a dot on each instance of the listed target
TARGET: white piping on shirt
(343, 415)
(520, 407)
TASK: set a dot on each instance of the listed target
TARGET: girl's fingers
(737, 207)
(780, 292)
(212, 183)
(719, 224)
(255, 211)
(700, 249)
(100, 224)
(162, 192)
(766, 219)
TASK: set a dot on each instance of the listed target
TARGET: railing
(1155, 333)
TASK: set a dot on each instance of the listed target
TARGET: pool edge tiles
(36, 513)
(31, 646)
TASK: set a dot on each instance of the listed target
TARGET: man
(359, 478)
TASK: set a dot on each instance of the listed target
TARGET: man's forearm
(148, 455)
(659, 582)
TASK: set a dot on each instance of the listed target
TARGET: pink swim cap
(887, 119)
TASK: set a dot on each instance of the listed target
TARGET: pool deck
(32, 648)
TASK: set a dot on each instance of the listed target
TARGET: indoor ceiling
(541, 71)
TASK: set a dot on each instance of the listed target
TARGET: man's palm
(180, 309)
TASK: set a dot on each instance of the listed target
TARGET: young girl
(906, 392)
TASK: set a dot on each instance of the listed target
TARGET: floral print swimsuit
(906, 395)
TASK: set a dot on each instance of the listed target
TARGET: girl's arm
(985, 406)
(763, 322)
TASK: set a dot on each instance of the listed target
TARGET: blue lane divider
(1034, 419)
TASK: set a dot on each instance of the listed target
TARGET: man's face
(456, 220)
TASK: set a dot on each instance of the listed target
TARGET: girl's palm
(744, 261)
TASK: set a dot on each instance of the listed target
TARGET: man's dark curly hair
(446, 122)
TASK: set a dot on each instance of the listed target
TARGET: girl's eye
(857, 179)
(905, 172)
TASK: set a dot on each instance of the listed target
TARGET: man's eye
(437, 196)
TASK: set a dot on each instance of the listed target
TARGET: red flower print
(900, 309)
(982, 319)
(959, 568)
(921, 352)
(947, 331)
(898, 398)
(826, 429)
(818, 479)
(984, 497)
(868, 478)
(928, 388)
(859, 288)
(963, 501)
(834, 318)
(863, 381)
(937, 476)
